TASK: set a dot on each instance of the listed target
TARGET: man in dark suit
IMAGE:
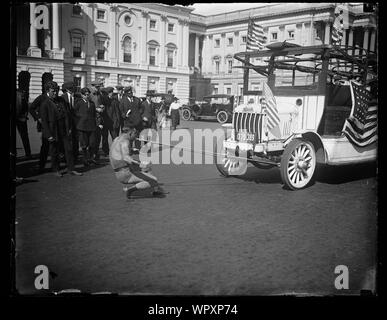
(148, 113)
(95, 97)
(131, 111)
(21, 120)
(86, 125)
(34, 110)
(111, 116)
(68, 96)
(56, 128)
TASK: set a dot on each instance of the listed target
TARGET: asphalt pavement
(210, 235)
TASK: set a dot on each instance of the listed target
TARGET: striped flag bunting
(361, 126)
(338, 27)
(256, 39)
(270, 105)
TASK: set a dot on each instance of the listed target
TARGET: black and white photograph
(202, 149)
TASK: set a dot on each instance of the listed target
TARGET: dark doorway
(47, 76)
(24, 82)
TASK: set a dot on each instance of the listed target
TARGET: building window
(244, 39)
(215, 90)
(127, 48)
(274, 36)
(77, 49)
(291, 34)
(127, 20)
(152, 24)
(170, 58)
(100, 49)
(228, 90)
(77, 10)
(101, 15)
(152, 56)
(217, 43)
(229, 66)
(217, 64)
(170, 27)
(230, 41)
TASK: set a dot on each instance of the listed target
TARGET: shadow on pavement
(345, 173)
(324, 174)
(30, 168)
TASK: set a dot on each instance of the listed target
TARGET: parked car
(217, 107)
(327, 111)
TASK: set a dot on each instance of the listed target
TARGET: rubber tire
(186, 114)
(220, 167)
(287, 155)
(222, 112)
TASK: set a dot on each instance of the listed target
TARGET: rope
(206, 152)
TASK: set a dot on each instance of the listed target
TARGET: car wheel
(186, 114)
(222, 116)
(298, 164)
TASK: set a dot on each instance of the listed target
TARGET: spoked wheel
(228, 162)
(298, 164)
(186, 114)
(222, 116)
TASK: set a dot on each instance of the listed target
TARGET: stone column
(205, 54)
(185, 40)
(197, 51)
(33, 50)
(303, 34)
(55, 26)
(113, 52)
(144, 40)
(163, 31)
(180, 42)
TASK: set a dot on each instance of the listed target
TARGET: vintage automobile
(326, 102)
(217, 106)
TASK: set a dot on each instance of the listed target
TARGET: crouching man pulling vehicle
(135, 175)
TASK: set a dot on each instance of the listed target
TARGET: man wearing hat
(135, 175)
(95, 97)
(56, 128)
(130, 110)
(148, 112)
(110, 117)
(86, 125)
(68, 96)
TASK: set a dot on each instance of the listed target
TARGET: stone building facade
(164, 48)
(214, 39)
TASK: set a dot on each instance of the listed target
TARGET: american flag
(255, 36)
(270, 104)
(338, 27)
(361, 126)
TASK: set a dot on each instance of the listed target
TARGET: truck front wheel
(298, 164)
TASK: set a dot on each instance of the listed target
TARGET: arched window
(153, 51)
(216, 60)
(77, 39)
(101, 44)
(127, 49)
(171, 50)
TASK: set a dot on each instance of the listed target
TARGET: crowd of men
(82, 119)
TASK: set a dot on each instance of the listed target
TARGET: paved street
(210, 235)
